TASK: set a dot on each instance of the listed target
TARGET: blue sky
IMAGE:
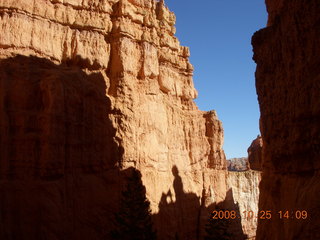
(218, 33)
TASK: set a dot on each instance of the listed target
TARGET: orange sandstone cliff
(88, 88)
(288, 85)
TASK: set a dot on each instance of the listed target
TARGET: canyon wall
(88, 88)
(288, 86)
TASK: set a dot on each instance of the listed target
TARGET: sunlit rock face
(88, 88)
(238, 164)
(288, 86)
(245, 190)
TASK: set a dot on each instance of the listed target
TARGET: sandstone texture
(244, 186)
(288, 86)
(88, 88)
(255, 154)
(238, 164)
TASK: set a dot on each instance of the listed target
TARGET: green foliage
(218, 229)
(133, 221)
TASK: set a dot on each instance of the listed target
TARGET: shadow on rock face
(183, 215)
(58, 156)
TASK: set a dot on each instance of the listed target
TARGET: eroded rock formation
(255, 154)
(88, 88)
(287, 81)
(238, 164)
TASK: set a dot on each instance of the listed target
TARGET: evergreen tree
(218, 229)
(133, 221)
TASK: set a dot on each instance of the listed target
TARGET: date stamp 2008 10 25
(262, 214)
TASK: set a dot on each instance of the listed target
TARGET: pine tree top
(134, 217)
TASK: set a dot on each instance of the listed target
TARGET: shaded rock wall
(57, 179)
(89, 88)
(287, 81)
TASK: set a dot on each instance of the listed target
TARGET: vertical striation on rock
(88, 88)
(287, 81)
(244, 186)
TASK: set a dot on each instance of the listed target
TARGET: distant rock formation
(238, 164)
(255, 154)
(288, 85)
(244, 185)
